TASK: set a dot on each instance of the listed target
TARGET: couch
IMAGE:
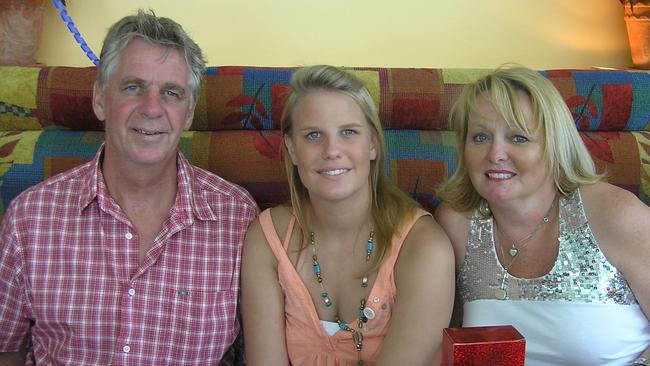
(47, 125)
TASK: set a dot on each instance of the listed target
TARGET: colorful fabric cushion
(47, 125)
(235, 98)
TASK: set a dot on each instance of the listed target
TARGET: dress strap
(398, 240)
(271, 234)
(287, 236)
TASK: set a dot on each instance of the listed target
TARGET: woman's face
(331, 144)
(504, 163)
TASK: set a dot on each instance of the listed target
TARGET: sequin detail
(581, 272)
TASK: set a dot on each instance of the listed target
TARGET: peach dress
(307, 341)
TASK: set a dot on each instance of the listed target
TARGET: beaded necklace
(357, 335)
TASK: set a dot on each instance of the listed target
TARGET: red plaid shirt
(69, 273)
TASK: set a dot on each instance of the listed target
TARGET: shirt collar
(190, 200)
(189, 203)
(89, 190)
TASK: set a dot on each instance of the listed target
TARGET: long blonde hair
(389, 206)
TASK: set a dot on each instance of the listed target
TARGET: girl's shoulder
(281, 217)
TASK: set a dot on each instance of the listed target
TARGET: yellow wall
(541, 34)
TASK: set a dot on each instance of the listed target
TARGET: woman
(540, 242)
(353, 272)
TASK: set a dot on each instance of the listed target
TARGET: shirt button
(126, 349)
(131, 292)
(128, 236)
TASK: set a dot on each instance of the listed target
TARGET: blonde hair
(389, 206)
(569, 161)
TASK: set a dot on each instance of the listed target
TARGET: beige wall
(407, 33)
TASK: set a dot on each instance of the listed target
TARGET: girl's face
(331, 144)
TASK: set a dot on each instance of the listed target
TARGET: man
(132, 258)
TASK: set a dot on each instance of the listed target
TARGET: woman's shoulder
(618, 219)
(281, 217)
(426, 240)
(611, 204)
(446, 212)
(425, 228)
(277, 217)
(456, 224)
(281, 213)
(266, 234)
(453, 221)
(598, 188)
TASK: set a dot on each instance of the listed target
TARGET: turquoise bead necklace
(357, 336)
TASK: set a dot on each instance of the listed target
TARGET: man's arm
(15, 328)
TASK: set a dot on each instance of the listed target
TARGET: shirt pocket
(205, 324)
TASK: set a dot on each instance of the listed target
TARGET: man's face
(145, 105)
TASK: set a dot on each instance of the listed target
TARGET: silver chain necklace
(518, 245)
(501, 293)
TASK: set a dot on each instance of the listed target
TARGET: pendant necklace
(364, 313)
(516, 246)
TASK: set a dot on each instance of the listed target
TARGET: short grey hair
(155, 30)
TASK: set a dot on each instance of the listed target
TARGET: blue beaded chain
(357, 336)
(326, 297)
(77, 36)
(370, 247)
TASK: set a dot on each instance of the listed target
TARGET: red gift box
(474, 346)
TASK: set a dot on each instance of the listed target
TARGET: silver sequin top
(581, 272)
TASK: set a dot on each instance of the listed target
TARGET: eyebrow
(132, 80)
(347, 125)
(166, 86)
(477, 125)
(481, 125)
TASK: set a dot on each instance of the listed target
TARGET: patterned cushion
(47, 125)
(234, 98)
